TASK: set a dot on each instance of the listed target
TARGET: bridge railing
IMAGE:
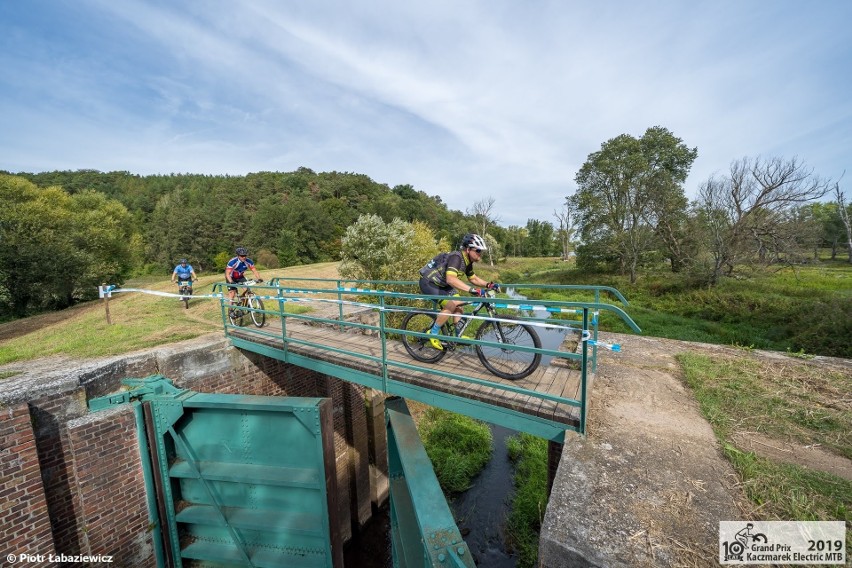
(344, 303)
(341, 285)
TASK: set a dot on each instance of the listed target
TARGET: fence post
(105, 289)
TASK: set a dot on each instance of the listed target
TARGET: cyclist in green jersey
(442, 277)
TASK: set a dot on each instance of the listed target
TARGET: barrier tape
(504, 305)
(109, 290)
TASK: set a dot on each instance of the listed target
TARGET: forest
(63, 233)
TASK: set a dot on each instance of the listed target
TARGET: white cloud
(462, 100)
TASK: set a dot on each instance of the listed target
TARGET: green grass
(807, 310)
(458, 446)
(786, 401)
(789, 400)
(529, 455)
(139, 321)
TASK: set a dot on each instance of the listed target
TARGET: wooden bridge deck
(557, 378)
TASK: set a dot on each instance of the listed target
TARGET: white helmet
(472, 240)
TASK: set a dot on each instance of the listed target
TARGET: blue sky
(465, 100)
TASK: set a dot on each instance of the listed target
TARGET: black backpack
(439, 263)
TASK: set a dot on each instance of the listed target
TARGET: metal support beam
(424, 531)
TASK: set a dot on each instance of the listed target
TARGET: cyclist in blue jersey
(442, 277)
(236, 269)
(183, 271)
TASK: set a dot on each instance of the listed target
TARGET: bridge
(272, 503)
(350, 329)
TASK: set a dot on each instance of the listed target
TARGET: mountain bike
(247, 305)
(502, 360)
(185, 291)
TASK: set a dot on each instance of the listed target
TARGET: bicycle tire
(504, 362)
(419, 347)
(258, 317)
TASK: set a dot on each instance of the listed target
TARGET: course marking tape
(111, 289)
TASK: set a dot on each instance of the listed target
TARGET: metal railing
(342, 298)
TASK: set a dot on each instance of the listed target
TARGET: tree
(832, 229)
(516, 237)
(57, 248)
(375, 250)
(483, 215)
(743, 212)
(539, 241)
(566, 228)
(630, 195)
(843, 212)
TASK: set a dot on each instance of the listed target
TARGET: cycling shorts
(429, 287)
(239, 280)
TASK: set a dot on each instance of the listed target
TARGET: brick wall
(90, 497)
(24, 521)
(110, 501)
(49, 415)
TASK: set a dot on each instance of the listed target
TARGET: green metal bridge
(352, 331)
(235, 480)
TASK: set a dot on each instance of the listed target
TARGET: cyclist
(183, 272)
(442, 277)
(235, 271)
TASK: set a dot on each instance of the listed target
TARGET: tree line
(64, 232)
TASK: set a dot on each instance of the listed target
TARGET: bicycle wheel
(184, 291)
(236, 314)
(258, 317)
(419, 347)
(503, 361)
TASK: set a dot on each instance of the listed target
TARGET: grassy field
(790, 402)
(138, 320)
(806, 310)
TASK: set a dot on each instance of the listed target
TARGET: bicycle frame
(450, 328)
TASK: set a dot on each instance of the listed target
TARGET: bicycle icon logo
(742, 542)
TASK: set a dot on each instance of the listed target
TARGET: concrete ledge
(648, 485)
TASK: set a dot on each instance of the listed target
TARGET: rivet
(441, 557)
(460, 550)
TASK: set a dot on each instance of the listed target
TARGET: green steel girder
(424, 533)
(138, 390)
(513, 419)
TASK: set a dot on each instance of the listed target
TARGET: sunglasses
(478, 251)
(242, 255)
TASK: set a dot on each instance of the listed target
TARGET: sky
(467, 100)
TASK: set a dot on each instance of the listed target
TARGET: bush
(458, 446)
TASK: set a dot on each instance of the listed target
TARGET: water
(371, 548)
(481, 511)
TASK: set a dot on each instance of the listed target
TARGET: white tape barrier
(109, 290)
(521, 307)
